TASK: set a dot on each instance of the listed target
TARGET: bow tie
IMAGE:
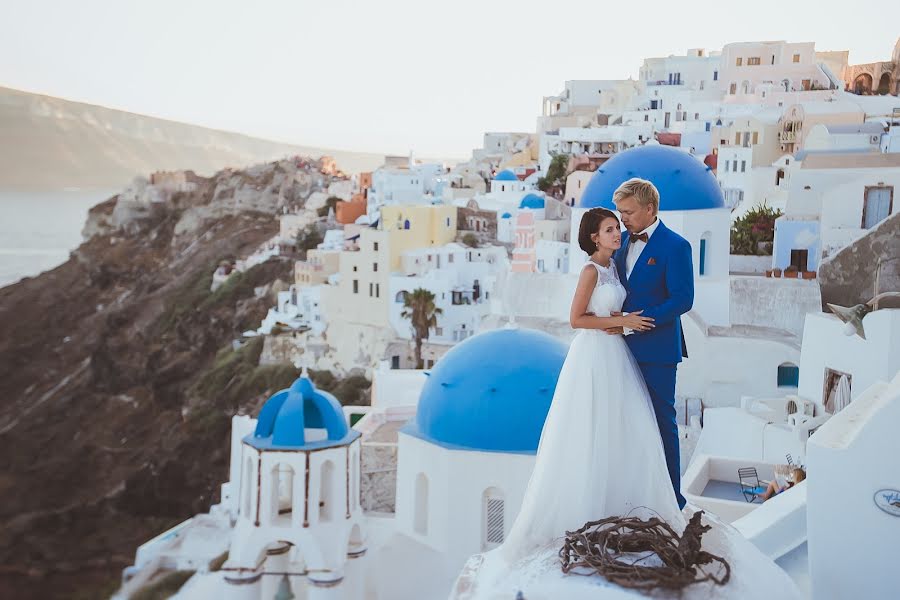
(640, 237)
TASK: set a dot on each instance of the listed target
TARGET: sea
(38, 230)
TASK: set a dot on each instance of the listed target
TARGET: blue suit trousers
(660, 380)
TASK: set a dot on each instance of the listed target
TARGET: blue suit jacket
(662, 285)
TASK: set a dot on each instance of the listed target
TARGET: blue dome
(285, 417)
(684, 183)
(532, 201)
(506, 175)
(491, 392)
(506, 215)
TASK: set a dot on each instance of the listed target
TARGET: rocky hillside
(118, 374)
(51, 143)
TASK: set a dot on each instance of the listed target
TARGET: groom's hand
(615, 330)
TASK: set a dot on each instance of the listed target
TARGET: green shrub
(754, 233)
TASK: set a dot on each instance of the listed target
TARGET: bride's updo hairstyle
(590, 224)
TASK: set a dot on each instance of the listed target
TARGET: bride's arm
(579, 318)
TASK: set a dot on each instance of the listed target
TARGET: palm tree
(419, 308)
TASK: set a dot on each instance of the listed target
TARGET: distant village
(396, 268)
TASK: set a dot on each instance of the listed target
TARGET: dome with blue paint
(506, 215)
(491, 392)
(506, 175)
(301, 417)
(532, 201)
(684, 183)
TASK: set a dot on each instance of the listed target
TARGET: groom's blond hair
(642, 190)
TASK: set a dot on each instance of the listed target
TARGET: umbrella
(842, 395)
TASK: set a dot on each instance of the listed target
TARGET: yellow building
(317, 267)
(412, 227)
(361, 297)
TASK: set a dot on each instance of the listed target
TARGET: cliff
(119, 373)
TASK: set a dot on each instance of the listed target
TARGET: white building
(790, 66)
(296, 308)
(298, 514)
(462, 281)
(833, 198)
(411, 184)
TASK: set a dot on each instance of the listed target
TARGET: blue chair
(751, 487)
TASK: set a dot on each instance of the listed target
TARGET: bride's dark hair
(590, 224)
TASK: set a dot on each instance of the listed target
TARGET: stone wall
(848, 277)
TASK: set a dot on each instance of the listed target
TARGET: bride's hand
(615, 330)
(637, 322)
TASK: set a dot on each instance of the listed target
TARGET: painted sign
(888, 501)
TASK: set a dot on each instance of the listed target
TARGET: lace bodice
(609, 294)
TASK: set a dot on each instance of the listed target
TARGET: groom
(659, 276)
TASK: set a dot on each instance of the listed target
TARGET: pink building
(524, 257)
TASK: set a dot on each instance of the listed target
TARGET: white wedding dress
(600, 452)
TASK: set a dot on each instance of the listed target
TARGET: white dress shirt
(636, 247)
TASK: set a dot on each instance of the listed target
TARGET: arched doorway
(862, 84)
(884, 84)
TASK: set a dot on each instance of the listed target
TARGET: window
(325, 492)
(715, 75)
(701, 84)
(703, 257)
(355, 268)
(375, 246)
(739, 61)
(788, 375)
(743, 166)
(708, 126)
(755, 137)
(877, 205)
(646, 117)
(753, 60)
(282, 490)
(726, 166)
(395, 361)
(493, 518)
(438, 331)
(448, 221)
(732, 89)
(378, 290)
(371, 290)
(737, 138)
(356, 286)
(375, 267)
(796, 58)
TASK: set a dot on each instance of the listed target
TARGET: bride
(600, 452)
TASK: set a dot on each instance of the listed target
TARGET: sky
(393, 76)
